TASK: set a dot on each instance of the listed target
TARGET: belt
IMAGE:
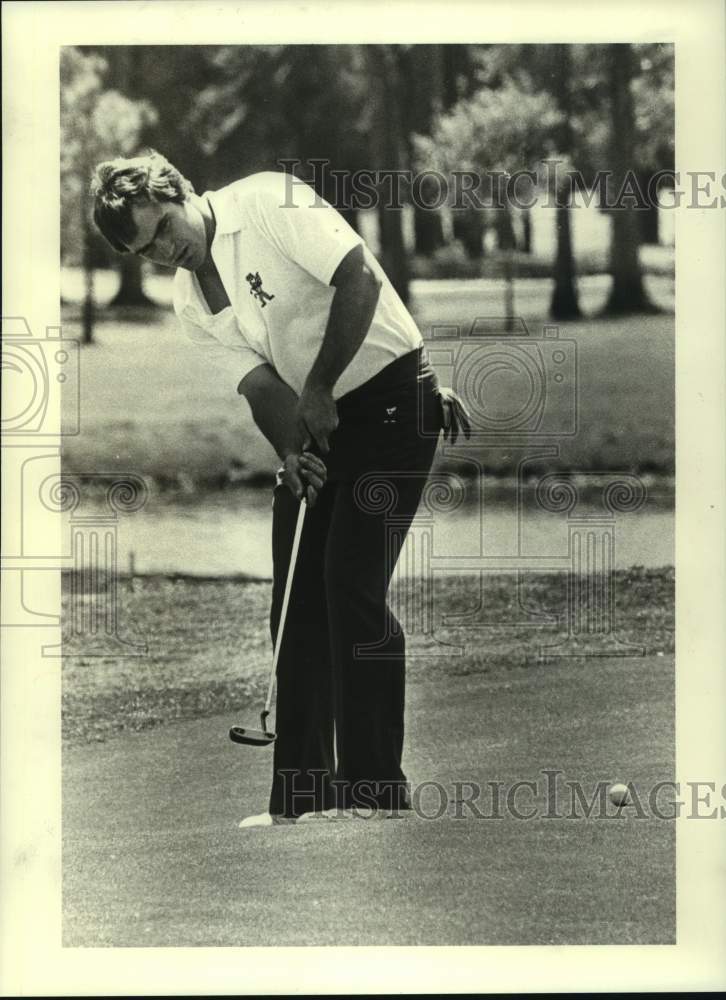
(403, 374)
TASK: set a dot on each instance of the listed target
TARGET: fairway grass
(152, 853)
(153, 856)
(153, 404)
(209, 648)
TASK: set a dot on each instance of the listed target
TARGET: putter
(263, 737)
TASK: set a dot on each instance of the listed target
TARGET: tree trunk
(393, 250)
(627, 293)
(506, 244)
(457, 69)
(564, 303)
(386, 132)
(504, 229)
(351, 217)
(428, 230)
(127, 70)
(649, 221)
(422, 91)
(509, 291)
(526, 230)
(131, 291)
(88, 308)
(469, 229)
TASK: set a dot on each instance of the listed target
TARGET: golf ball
(619, 795)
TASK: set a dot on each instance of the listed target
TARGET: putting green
(153, 856)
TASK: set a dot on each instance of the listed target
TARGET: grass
(209, 649)
(152, 856)
(153, 404)
(452, 262)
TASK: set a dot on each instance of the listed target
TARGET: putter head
(254, 737)
(251, 737)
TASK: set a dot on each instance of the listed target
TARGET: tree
(266, 104)
(125, 74)
(422, 86)
(627, 291)
(96, 124)
(546, 69)
(653, 93)
(494, 132)
(564, 304)
(168, 78)
(624, 125)
(386, 138)
(433, 78)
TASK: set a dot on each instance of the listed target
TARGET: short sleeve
(237, 360)
(303, 226)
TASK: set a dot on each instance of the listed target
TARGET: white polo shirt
(276, 247)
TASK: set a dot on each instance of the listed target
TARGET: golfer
(336, 376)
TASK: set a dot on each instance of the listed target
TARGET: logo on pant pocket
(390, 417)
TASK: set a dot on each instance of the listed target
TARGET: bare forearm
(350, 318)
(273, 404)
(357, 288)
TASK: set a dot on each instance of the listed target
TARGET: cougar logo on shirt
(257, 290)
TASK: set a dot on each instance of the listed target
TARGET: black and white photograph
(344, 442)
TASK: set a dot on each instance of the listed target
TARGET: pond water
(231, 535)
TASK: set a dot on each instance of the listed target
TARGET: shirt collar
(187, 299)
(225, 210)
(183, 293)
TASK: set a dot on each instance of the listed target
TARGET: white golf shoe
(326, 815)
(263, 819)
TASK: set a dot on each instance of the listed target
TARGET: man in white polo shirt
(273, 281)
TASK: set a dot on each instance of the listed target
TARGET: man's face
(170, 234)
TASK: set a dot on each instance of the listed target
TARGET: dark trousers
(341, 671)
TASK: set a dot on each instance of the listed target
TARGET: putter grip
(312, 450)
